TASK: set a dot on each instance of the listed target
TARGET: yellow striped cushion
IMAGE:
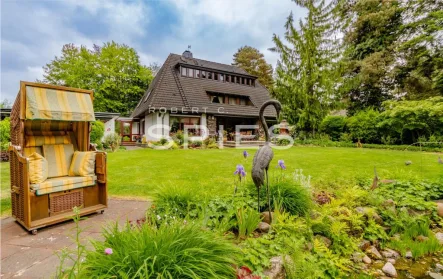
(62, 184)
(38, 168)
(83, 164)
(27, 151)
(59, 158)
(42, 140)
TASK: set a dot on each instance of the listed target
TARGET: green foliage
(363, 126)
(409, 120)
(333, 126)
(419, 73)
(252, 61)
(409, 242)
(306, 72)
(172, 251)
(112, 141)
(292, 197)
(416, 195)
(113, 71)
(369, 54)
(97, 132)
(247, 221)
(175, 199)
(5, 136)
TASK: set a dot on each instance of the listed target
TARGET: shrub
(333, 126)
(163, 141)
(172, 251)
(212, 146)
(112, 141)
(175, 198)
(97, 132)
(196, 143)
(5, 137)
(247, 221)
(289, 195)
(363, 126)
(292, 197)
(408, 120)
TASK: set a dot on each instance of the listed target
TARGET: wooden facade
(35, 211)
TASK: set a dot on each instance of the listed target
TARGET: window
(190, 72)
(215, 76)
(183, 71)
(209, 75)
(238, 79)
(227, 78)
(217, 99)
(232, 79)
(243, 80)
(197, 74)
(203, 74)
(222, 77)
(243, 102)
(232, 101)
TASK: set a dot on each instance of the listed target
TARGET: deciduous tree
(113, 71)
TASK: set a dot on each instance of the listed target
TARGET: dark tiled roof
(171, 90)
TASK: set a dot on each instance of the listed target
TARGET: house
(188, 92)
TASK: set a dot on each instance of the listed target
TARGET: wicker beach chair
(53, 123)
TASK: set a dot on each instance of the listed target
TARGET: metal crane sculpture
(264, 155)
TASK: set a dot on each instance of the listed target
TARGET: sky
(33, 31)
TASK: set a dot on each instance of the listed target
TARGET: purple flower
(281, 164)
(245, 154)
(108, 251)
(240, 170)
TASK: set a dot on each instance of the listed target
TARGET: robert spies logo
(194, 133)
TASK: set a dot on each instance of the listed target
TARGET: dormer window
(194, 73)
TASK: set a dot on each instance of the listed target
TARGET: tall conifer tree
(306, 71)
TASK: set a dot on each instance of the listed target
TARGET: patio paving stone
(24, 255)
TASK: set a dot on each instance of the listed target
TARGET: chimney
(187, 54)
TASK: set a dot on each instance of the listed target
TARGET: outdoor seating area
(53, 168)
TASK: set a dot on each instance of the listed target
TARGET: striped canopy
(52, 104)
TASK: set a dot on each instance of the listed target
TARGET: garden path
(24, 255)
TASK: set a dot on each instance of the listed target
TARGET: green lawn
(210, 172)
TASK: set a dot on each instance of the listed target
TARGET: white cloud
(215, 29)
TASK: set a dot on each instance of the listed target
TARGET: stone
(389, 202)
(364, 244)
(370, 213)
(391, 254)
(367, 260)
(439, 236)
(357, 257)
(421, 238)
(263, 227)
(265, 217)
(395, 237)
(438, 267)
(277, 269)
(434, 275)
(392, 261)
(408, 255)
(373, 253)
(389, 270)
(326, 241)
(440, 209)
